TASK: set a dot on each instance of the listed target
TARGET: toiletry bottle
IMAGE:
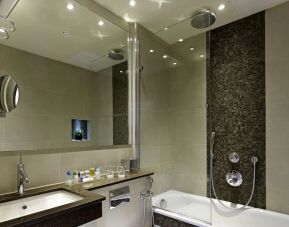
(69, 177)
(97, 173)
(91, 172)
(82, 173)
(75, 176)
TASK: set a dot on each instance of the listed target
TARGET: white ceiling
(155, 15)
(40, 25)
(39, 30)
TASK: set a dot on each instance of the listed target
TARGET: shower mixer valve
(234, 178)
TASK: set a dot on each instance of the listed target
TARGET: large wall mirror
(72, 70)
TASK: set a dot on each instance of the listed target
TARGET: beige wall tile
(2, 130)
(277, 132)
(42, 169)
(277, 200)
(8, 167)
(277, 108)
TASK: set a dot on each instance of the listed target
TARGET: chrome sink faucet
(22, 177)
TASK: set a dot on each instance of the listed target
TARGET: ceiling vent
(6, 7)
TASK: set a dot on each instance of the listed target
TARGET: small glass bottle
(75, 176)
(97, 173)
(69, 177)
(91, 172)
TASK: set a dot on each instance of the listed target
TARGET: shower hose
(254, 161)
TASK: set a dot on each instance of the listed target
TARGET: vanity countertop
(91, 202)
(104, 182)
(72, 214)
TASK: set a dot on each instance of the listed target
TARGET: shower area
(173, 114)
(202, 119)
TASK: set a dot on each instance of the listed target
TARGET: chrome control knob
(234, 157)
(234, 178)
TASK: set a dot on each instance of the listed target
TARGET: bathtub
(205, 212)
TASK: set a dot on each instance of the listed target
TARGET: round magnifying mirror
(9, 94)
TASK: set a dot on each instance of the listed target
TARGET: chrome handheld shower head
(212, 143)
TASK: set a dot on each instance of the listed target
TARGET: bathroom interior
(140, 113)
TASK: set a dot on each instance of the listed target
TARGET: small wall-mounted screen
(80, 130)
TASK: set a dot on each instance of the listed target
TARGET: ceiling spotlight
(2, 30)
(202, 56)
(121, 71)
(192, 48)
(180, 40)
(166, 29)
(132, 2)
(70, 6)
(151, 51)
(100, 23)
(174, 63)
(165, 56)
(221, 7)
(127, 18)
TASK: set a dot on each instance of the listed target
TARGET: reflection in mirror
(68, 62)
(9, 94)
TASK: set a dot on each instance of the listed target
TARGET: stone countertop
(89, 199)
(82, 189)
(104, 182)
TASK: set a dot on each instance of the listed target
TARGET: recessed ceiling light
(166, 28)
(174, 63)
(201, 56)
(132, 2)
(192, 48)
(180, 40)
(121, 71)
(100, 23)
(127, 18)
(165, 56)
(151, 51)
(221, 7)
(70, 6)
(2, 30)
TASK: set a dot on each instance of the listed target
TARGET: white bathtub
(205, 212)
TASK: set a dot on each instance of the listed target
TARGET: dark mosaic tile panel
(236, 102)
(164, 221)
(120, 104)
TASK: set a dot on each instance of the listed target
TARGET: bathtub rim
(217, 212)
(181, 217)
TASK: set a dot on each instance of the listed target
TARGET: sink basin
(33, 204)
